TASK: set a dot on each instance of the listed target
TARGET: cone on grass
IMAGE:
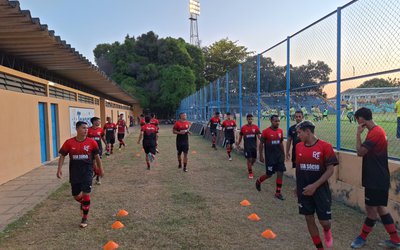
(194, 152)
(137, 155)
(122, 213)
(268, 234)
(253, 217)
(111, 245)
(117, 225)
(245, 203)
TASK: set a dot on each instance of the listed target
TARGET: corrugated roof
(372, 91)
(25, 37)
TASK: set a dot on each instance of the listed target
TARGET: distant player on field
(148, 133)
(181, 130)
(229, 127)
(213, 123)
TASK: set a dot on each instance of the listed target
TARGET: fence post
(240, 95)
(205, 104)
(288, 87)
(338, 76)
(227, 91)
(211, 101)
(218, 97)
(258, 92)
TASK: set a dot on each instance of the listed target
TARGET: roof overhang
(26, 38)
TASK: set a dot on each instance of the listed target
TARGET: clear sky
(256, 24)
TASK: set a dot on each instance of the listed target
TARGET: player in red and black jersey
(121, 125)
(250, 133)
(155, 122)
(375, 178)
(82, 152)
(148, 133)
(142, 121)
(181, 129)
(110, 129)
(213, 123)
(272, 141)
(315, 161)
(229, 127)
(292, 138)
(96, 133)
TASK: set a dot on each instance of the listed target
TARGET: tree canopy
(380, 83)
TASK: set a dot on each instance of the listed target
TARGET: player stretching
(181, 129)
(375, 178)
(272, 139)
(96, 133)
(121, 124)
(82, 151)
(149, 134)
(229, 127)
(110, 129)
(213, 123)
(250, 132)
(315, 161)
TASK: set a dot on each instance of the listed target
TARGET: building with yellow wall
(45, 87)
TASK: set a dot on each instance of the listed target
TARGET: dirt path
(170, 209)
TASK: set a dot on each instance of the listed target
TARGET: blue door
(42, 130)
(54, 129)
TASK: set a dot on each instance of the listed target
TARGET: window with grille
(61, 94)
(16, 84)
(85, 99)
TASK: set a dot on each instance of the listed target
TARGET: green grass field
(326, 130)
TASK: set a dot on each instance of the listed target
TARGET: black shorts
(121, 136)
(182, 148)
(293, 164)
(213, 132)
(271, 169)
(250, 154)
(110, 140)
(319, 203)
(85, 187)
(376, 197)
(149, 149)
(229, 141)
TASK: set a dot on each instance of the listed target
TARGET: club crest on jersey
(86, 148)
(316, 155)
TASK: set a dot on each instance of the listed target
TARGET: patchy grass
(170, 209)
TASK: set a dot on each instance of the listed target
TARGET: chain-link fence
(346, 60)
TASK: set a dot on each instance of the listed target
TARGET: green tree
(378, 83)
(222, 56)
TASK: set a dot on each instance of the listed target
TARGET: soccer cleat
(391, 244)
(119, 149)
(251, 176)
(107, 153)
(150, 156)
(98, 182)
(230, 158)
(258, 185)
(279, 197)
(84, 223)
(328, 239)
(185, 169)
(148, 168)
(358, 242)
(179, 166)
(157, 150)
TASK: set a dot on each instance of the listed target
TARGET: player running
(292, 138)
(229, 127)
(96, 133)
(148, 133)
(213, 123)
(315, 161)
(110, 128)
(375, 179)
(250, 132)
(121, 125)
(82, 151)
(155, 122)
(272, 141)
(181, 130)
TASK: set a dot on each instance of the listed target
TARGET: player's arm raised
(361, 151)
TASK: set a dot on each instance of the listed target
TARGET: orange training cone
(117, 225)
(122, 213)
(137, 155)
(268, 234)
(111, 245)
(245, 203)
(253, 217)
(194, 152)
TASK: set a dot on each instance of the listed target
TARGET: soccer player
(292, 112)
(96, 133)
(397, 111)
(229, 127)
(272, 141)
(250, 132)
(155, 122)
(142, 121)
(325, 114)
(121, 125)
(350, 112)
(375, 178)
(148, 133)
(292, 138)
(110, 128)
(305, 112)
(315, 161)
(181, 130)
(213, 123)
(82, 151)
(282, 114)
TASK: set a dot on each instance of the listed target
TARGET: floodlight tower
(194, 10)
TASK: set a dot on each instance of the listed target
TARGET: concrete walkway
(22, 194)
